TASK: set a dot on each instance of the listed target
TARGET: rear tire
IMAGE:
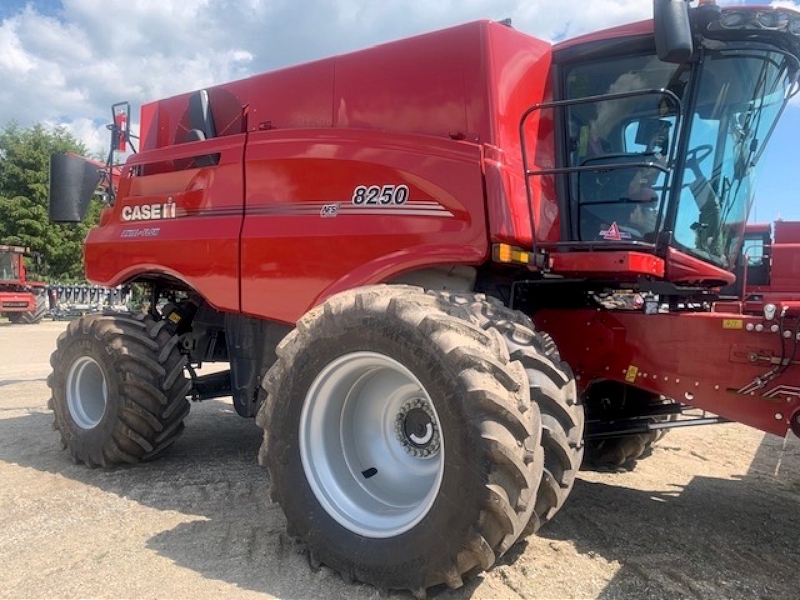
(38, 313)
(370, 499)
(609, 400)
(118, 389)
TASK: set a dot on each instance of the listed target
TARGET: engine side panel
(276, 226)
(328, 211)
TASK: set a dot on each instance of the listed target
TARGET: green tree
(24, 180)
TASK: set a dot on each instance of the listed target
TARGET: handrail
(528, 173)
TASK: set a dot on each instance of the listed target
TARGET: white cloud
(69, 67)
(14, 60)
(94, 134)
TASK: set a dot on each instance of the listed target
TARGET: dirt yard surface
(713, 513)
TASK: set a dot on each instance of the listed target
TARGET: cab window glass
(753, 251)
(741, 94)
(615, 195)
(8, 267)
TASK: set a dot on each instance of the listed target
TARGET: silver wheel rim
(87, 393)
(371, 445)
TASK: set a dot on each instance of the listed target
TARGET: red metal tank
(441, 173)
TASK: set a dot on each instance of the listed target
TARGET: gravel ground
(713, 513)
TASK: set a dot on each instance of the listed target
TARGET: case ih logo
(149, 212)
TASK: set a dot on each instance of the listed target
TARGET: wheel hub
(87, 393)
(416, 429)
(371, 445)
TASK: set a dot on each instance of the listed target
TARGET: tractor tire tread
(150, 404)
(479, 360)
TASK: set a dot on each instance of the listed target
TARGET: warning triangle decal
(612, 233)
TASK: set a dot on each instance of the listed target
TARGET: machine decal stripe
(431, 209)
(411, 208)
(786, 390)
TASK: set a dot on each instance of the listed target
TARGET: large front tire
(118, 389)
(552, 390)
(400, 439)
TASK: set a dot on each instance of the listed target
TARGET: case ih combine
(22, 301)
(430, 263)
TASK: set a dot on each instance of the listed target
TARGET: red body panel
(620, 264)
(784, 263)
(287, 244)
(518, 76)
(707, 360)
(11, 301)
(273, 229)
(198, 245)
(682, 268)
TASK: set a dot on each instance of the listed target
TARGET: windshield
(740, 96)
(8, 267)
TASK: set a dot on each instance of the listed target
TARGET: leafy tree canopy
(24, 181)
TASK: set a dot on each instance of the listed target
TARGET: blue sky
(9, 8)
(65, 62)
(777, 189)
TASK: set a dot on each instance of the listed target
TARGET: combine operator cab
(656, 140)
(11, 264)
(658, 158)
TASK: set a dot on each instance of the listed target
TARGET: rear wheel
(34, 316)
(118, 389)
(38, 313)
(400, 439)
(610, 401)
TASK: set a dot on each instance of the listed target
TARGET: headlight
(767, 19)
(733, 20)
(773, 19)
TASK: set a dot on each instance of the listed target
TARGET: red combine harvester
(22, 301)
(441, 270)
(768, 270)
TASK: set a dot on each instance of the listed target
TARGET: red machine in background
(442, 270)
(768, 271)
(21, 301)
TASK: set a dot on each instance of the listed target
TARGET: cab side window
(612, 138)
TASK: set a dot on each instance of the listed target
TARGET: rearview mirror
(673, 31)
(73, 181)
